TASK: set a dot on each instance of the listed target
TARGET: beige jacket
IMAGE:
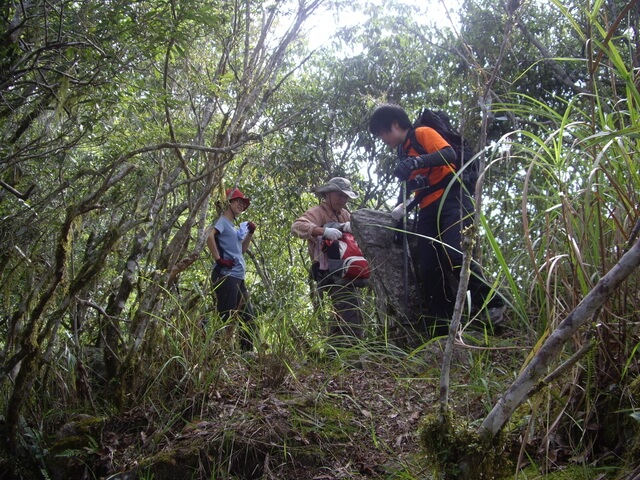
(316, 217)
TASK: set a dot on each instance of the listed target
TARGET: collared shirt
(316, 217)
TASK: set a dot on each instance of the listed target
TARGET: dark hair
(383, 117)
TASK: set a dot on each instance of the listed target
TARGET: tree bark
(526, 381)
(468, 241)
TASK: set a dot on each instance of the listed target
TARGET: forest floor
(354, 415)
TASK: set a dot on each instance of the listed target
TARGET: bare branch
(523, 385)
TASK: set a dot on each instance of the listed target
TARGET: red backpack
(345, 258)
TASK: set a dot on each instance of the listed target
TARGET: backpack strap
(415, 144)
(418, 197)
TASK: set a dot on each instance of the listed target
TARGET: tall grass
(576, 176)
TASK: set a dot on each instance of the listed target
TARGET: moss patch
(457, 452)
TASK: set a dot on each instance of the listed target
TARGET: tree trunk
(519, 390)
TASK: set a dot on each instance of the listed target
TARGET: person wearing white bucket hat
(311, 226)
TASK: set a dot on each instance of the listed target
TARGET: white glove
(243, 229)
(346, 227)
(398, 213)
(332, 233)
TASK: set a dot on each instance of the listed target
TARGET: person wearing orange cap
(227, 244)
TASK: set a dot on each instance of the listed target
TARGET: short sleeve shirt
(231, 247)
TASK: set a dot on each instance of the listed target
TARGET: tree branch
(523, 385)
(560, 72)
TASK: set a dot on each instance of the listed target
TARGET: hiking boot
(492, 321)
(496, 315)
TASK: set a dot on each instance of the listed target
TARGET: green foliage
(122, 122)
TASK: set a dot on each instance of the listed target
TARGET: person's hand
(251, 227)
(417, 183)
(398, 212)
(406, 166)
(332, 233)
(346, 227)
(403, 170)
(225, 262)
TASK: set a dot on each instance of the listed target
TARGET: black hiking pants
(346, 322)
(232, 297)
(440, 228)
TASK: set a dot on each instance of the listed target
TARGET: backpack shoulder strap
(426, 191)
(415, 144)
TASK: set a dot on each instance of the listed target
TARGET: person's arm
(446, 156)
(215, 252)
(440, 158)
(307, 226)
(433, 150)
(251, 227)
(211, 243)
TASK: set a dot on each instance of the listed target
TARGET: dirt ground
(342, 418)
